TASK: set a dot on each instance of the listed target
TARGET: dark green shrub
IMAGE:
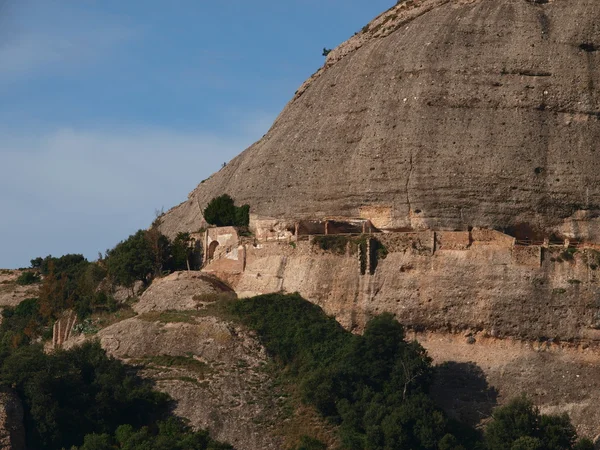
(242, 216)
(135, 259)
(309, 443)
(568, 254)
(584, 444)
(27, 278)
(67, 264)
(171, 434)
(520, 426)
(21, 324)
(222, 212)
(68, 394)
(333, 243)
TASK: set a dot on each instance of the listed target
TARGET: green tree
(527, 443)
(242, 216)
(183, 252)
(519, 426)
(131, 260)
(449, 442)
(170, 434)
(27, 278)
(221, 211)
(584, 444)
(160, 248)
(97, 442)
(68, 394)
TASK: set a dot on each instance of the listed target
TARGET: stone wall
(422, 242)
(527, 255)
(269, 229)
(221, 242)
(476, 280)
(452, 240)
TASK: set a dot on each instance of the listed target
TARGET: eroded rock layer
(449, 113)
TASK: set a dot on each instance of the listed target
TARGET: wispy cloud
(83, 190)
(113, 167)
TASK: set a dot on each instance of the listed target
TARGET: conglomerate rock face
(450, 113)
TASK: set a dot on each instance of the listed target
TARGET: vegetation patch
(104, 319)
(184, 362)
(337, 244)
(222, 212)
(213, 297)
(148, 254)
(86, 326)
(28, 277)
(170, 316)
(592, 258)
(568, 254)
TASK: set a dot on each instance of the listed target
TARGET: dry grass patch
(175, 362)
(105, 319)
(170, 316)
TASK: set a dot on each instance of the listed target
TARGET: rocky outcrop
(217, 372)
(212, 369)
(180, 291)
(12, 430)
(445, 116)
(449, 113)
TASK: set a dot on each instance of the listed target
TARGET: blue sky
(113, 109)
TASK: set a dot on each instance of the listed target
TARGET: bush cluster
(147, 254)
(27, 278)
(222, 212)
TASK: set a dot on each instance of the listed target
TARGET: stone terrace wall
(478, 280)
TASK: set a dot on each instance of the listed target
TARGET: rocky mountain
(449, 114)
(448, 119)
(439, 122)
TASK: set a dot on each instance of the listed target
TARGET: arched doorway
(211, 250)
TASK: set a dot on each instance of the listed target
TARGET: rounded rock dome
(440, 114)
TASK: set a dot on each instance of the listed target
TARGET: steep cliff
(446, 113)
(521, 318)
